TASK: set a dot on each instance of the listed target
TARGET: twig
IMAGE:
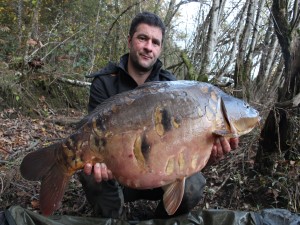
(116, 20)
(74, 82)
(223, 183)
(32, 146)
(2, 185)
(7, 151)
(81, 206)
(21, 187)
(30, 57)
(4, 161)
(63, 42)
(277, 116)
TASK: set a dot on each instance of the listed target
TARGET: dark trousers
(107, 198)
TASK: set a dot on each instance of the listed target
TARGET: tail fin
(42, 165)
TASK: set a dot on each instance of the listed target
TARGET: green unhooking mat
(17, 215)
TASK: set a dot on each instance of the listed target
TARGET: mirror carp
(156, 135)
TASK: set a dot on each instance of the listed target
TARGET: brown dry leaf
(35, 204)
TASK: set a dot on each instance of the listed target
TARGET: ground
(233, 183)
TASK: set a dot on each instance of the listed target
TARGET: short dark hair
(147, 18)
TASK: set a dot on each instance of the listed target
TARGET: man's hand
(99, 171)
(221, 147)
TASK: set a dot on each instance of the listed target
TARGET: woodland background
(249, 48)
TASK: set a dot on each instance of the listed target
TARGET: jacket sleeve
(166, 75)
(98, 94)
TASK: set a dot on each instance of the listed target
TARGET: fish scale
(156, 135)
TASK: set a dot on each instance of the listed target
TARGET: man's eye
(156, 43)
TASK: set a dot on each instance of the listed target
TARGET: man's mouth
(145, 56)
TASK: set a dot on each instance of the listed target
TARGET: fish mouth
(241, 126)
(244, 126)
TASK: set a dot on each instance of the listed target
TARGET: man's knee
(193, 192)
(105, 197)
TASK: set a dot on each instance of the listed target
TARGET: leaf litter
(233, 183)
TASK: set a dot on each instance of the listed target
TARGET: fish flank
(170, 166)
(100, 124)
(137, 151)
(163, 121)
(166, 120)
(176, 122)
(96, 124)
(194, 162)
(213, 96)
(158, 122)
(145, 148)
(181, 162)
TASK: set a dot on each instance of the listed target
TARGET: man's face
(145, 46)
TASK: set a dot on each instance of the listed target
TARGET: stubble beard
(136, 64)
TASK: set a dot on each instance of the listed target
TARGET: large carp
(153, 136)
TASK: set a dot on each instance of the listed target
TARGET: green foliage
(71, 37)
(40, 94)
(191, 74)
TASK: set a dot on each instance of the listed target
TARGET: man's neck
(139, 76)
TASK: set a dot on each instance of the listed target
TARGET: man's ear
(128, 41)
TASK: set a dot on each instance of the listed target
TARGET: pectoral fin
(173, 195)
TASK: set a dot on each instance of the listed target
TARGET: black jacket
(114, 79)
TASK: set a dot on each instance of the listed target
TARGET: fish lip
(258, 118)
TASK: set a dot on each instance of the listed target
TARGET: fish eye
(246, 105)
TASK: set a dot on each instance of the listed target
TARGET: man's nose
(148, 45)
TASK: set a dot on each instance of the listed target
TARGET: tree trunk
(20, 20)
(269, 60)
(235, 42)
(211, 37)
(280, 135)
(242, 72)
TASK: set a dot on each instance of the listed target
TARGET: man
(140, 65)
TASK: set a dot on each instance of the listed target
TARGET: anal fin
(173, 195)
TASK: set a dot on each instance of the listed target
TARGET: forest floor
(233, 183)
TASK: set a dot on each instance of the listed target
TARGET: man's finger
(214, 151)
(88, 169)
(110, 175)
(225, 145)
(104, 173)
(234, 143)
(219, 148)
(97, 172)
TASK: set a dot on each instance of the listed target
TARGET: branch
(63, 42)
(293, 103)
(174, 66)
(74, 82)
(116, 20)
